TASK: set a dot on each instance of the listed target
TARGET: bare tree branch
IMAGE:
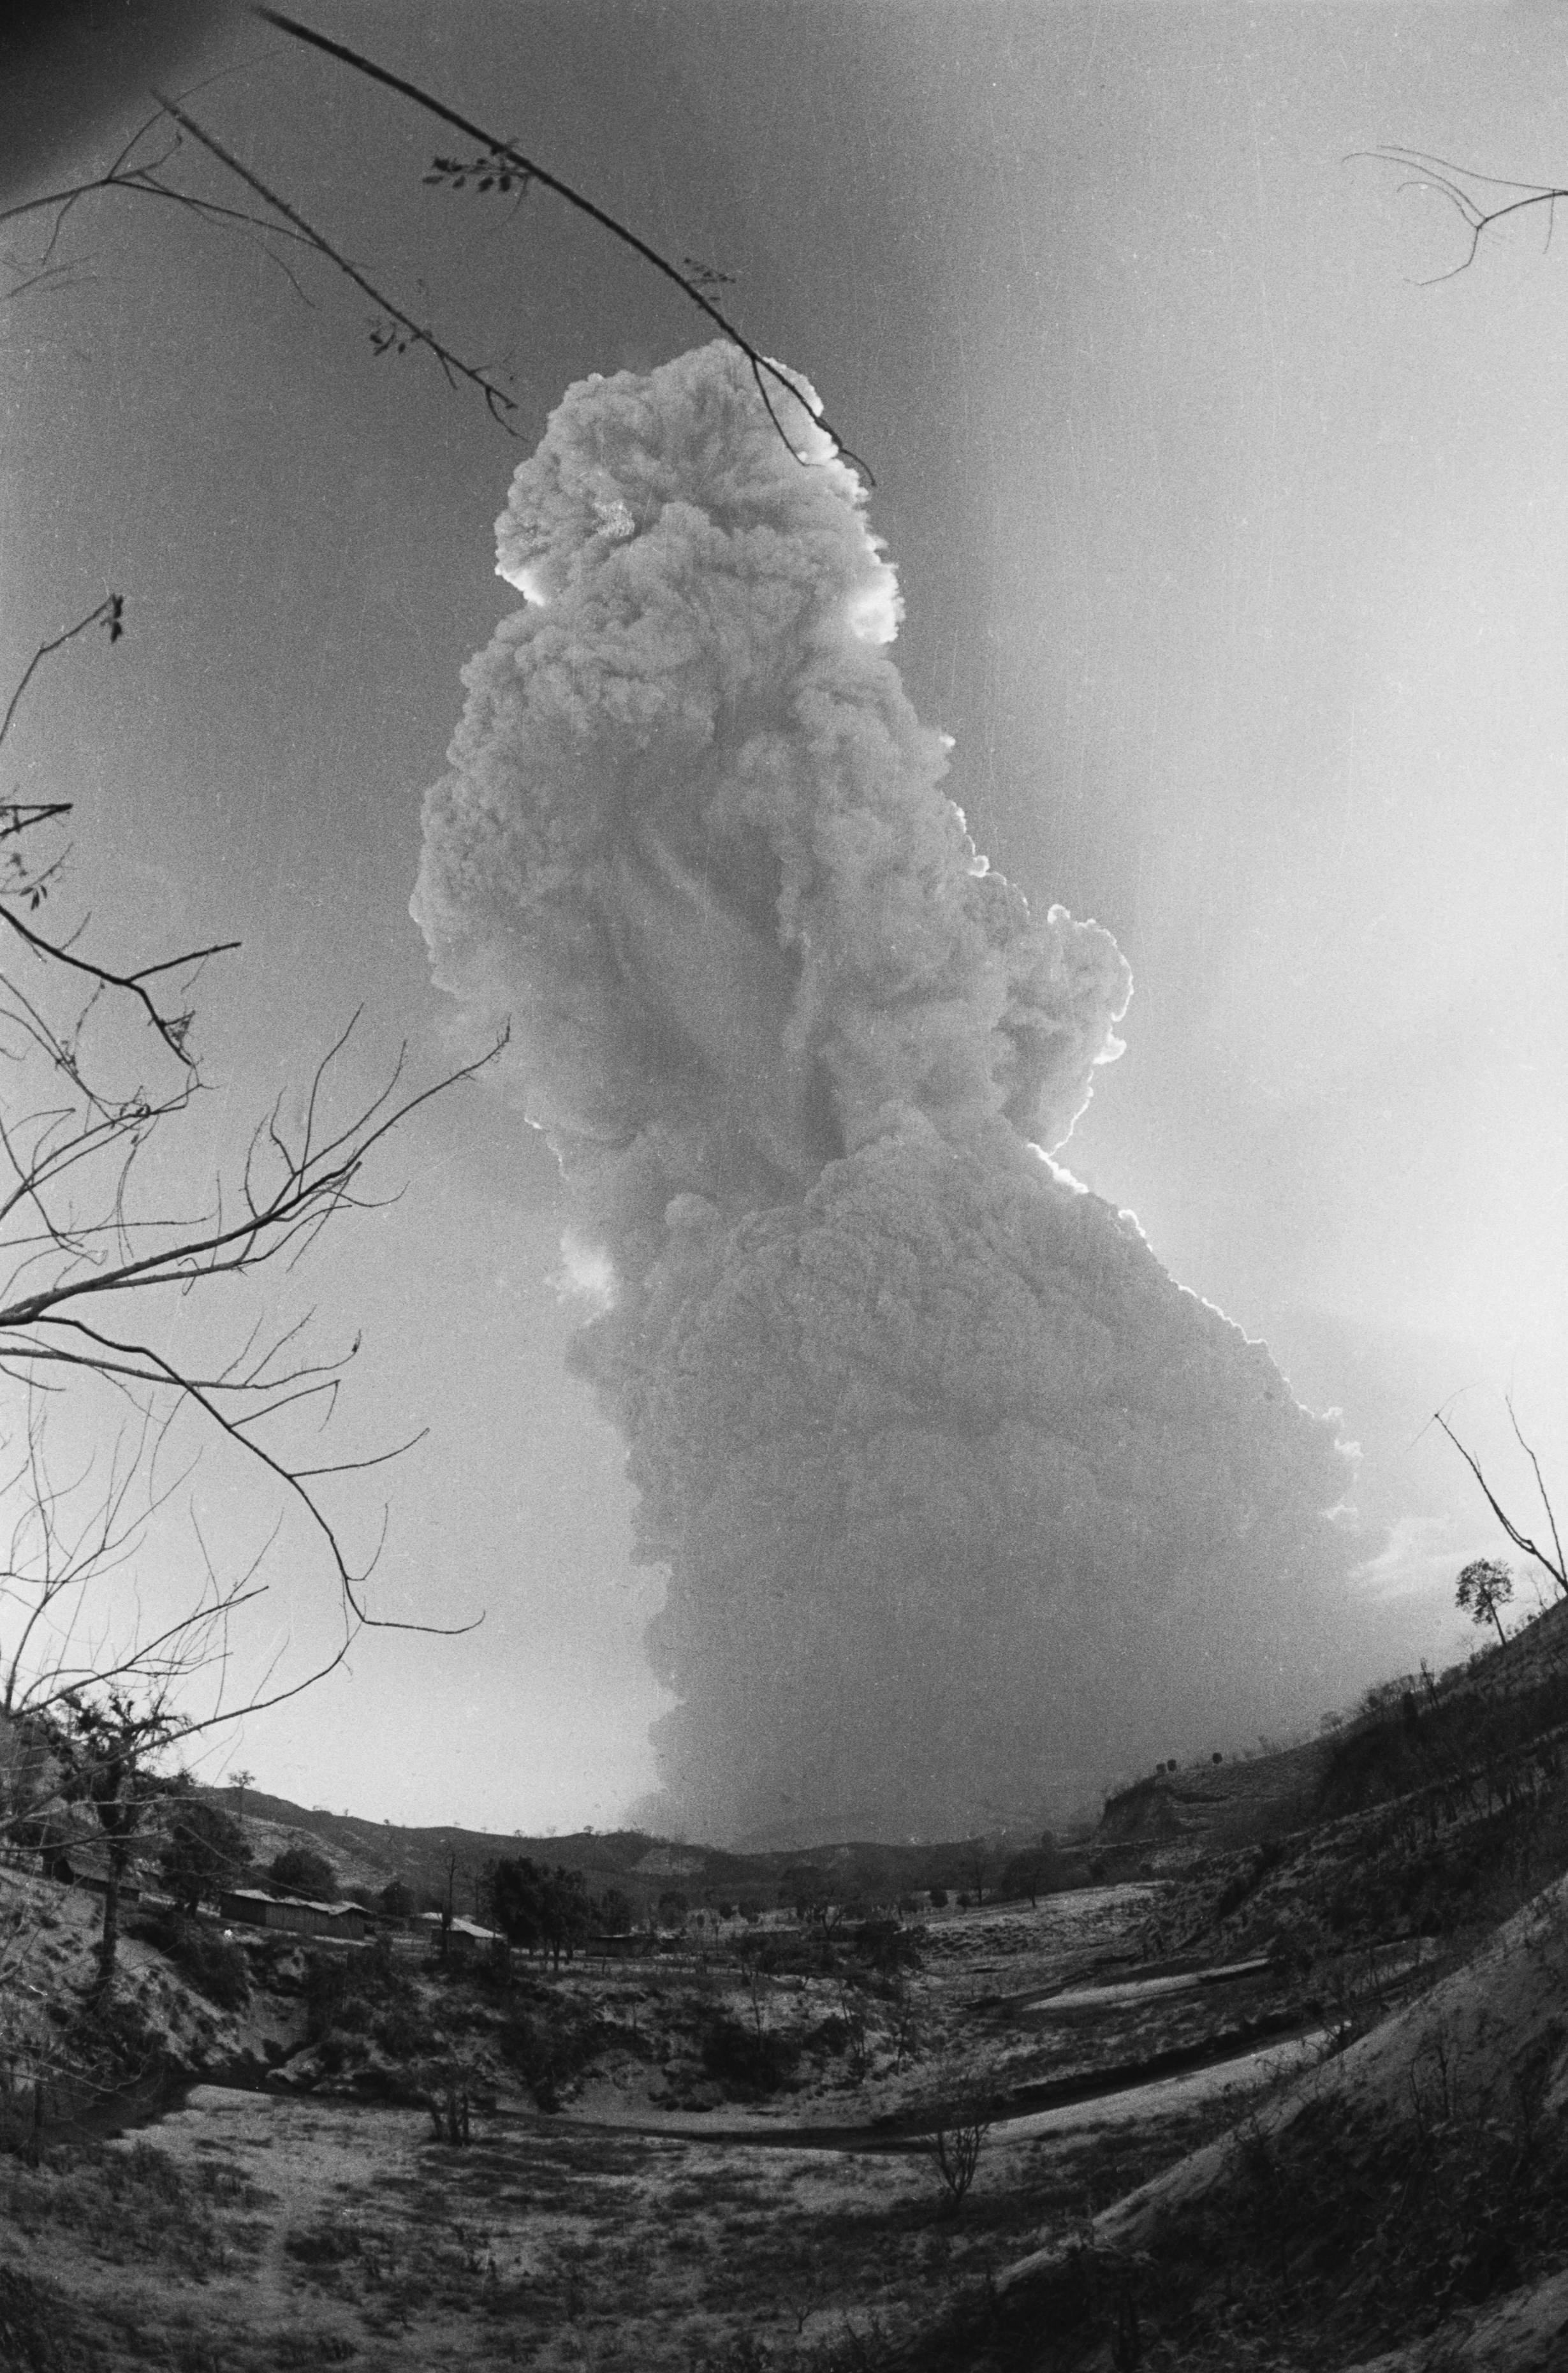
(173, 1029)
(1456, 184)
(286, 222)
(1561, 1574)
(692, 286)
(1520, 1539)
(498, 401)
(108, 613)
(74, 1235)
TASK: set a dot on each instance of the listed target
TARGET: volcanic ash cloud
(962, 1499)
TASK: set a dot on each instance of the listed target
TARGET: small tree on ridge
(1485, 1585)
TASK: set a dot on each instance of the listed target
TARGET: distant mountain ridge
(1167, 1815)
(366, 1855)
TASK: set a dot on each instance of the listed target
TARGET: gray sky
(1233, 558)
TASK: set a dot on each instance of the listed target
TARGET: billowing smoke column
(962, 1498)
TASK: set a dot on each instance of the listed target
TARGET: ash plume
(962, 1499)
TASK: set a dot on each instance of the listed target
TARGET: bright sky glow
(1234, 562)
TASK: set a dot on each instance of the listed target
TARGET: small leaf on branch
(492, 171)
(705, 276)
(389, 337)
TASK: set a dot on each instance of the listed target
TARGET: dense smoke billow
(962, 1499)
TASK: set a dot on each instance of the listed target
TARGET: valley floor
(254, 2229)
(644, 2185)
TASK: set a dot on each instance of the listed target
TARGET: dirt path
(1136, 1990)
(1106, 2098)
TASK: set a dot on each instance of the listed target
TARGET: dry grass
(306, 2224)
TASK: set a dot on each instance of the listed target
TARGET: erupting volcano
(962, 1499)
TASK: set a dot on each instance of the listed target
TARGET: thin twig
(1449, 181)
(496, 399)
(110, 612)
(497, 147)
(1520, 1539)
(171, 1030)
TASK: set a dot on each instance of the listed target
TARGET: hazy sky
(1233, 559)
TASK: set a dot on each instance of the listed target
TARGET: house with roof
(252, 1907)
(463, 1937)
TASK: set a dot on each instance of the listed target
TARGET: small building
(250, 1907)
(617, 1943)
(463, 1937)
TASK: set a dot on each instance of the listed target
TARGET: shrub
(340, 1993)
(748, 2058)
(215, 1968)
(344, 1992)
(298, 1870)
(328, 2245)
(548, 2051)
(133, 2207)
(954, 2153)
(108, 2038)
(404, 2032)
(1247, 1879)
(887, 1945)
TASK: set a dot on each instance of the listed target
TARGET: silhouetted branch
(1458, 184)
(173, 1029)
(692, 284)
(1520, 1539)
(74, 1247)
(108, 613)
(286, 222)
(416, 335)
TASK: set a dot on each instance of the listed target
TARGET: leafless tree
(979, 1857)
(447, 2087)
(98, 1064)
(85, 1261)
(954, 2149)
(1550, 1560)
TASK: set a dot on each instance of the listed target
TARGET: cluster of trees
(549, 1912)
